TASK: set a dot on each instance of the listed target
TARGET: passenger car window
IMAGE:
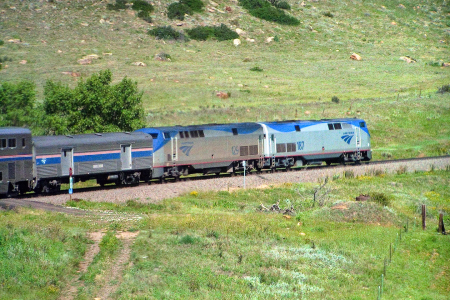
(12, 143)
(3, 143)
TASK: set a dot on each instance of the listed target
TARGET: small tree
(17, 104)
(93, 106)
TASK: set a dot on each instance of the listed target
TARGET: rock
(84, 61)
(270, 39)
(307, 112)
(446, 64)
(408, 59)
(91, 56)
(228, 9)
(15, 41)
(73, 74)
(23, 62)
(355, 56)
(84, 24)
(139, 64)
(240, 31)
(401, 6)
(213, 3)
(223, 95)
(362, 197)
(250, 40)
(236, 42)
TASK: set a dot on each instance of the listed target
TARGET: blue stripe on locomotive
(287, 126)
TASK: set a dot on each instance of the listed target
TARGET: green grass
(211, 244)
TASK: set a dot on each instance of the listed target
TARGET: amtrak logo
(186, 149)
(347, 138)
(43, 161)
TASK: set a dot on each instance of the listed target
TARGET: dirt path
(91, 252)
(114, 274)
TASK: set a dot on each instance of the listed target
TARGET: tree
(17, 104)
(93, 106)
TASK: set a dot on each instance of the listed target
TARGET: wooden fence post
(424, 225)
(441, 223)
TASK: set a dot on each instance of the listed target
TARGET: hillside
(294, 76)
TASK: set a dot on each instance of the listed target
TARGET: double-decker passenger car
(15, 160)
(107, 157)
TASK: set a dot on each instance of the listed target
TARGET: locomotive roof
(14, 130)
(86, 139)
(203, 126)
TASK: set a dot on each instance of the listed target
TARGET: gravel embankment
(156, 192)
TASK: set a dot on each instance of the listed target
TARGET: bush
(177, 11)
(2, 42)
(120, 4)
(144, 15)
(444, 89)
(256, 69)
(166, 33)
(140, 5)
(17, 104)
(380, 198)
(335, 99)
(220, 33)
(264, 10)
(195, 5)
(328, 14)
(283, 5)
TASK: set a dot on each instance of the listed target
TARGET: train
(42, 163)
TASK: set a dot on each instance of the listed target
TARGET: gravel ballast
(156, 192)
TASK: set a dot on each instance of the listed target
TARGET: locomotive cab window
(337, 126)
(3, 143)
(330, 126)
(234, 130)
(12, 143)
(166, 135)
(181, 134)
(201, 133)
(186, 134)
(154, 135)
(297, 127)
(362, 124)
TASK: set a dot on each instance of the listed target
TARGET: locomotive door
(66, 161)
(358, 142)
(174, 148)
(125, 157)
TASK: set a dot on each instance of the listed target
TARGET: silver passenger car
(107, 157)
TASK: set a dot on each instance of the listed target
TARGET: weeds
(402, 170)
(256, 69)
(380, 198)
(349, 174)
(335, 99)
(444, 89)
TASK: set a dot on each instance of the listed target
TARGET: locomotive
(43, 163)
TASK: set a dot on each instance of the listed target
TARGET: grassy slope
(217, 245)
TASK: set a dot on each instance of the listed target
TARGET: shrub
(166, 33)
(120, 4)
(335, 99)
(444, 89)
(328, 14)
(144, 15)
(256, 69)
(141, 5)
(187, 239)
(264, 10)
(221, 33)
(195, 5)
(2, 42)
(200, 33)
(380, 198)
(177, 11)
(283, 5)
